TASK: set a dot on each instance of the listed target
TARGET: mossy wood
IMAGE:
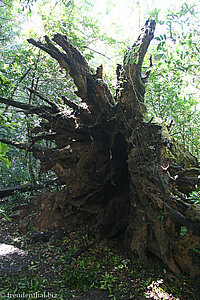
(123, 177)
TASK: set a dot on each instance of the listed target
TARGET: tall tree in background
(121, 176)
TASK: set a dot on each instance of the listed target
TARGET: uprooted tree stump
(123, 176)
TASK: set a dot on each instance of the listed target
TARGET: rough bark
(124, 177)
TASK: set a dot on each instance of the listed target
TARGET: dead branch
(8, 191)
(27, 146)
(42, 110)
(36, 93)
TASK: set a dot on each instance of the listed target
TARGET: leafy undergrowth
(76, 267)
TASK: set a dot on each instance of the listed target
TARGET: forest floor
(74, 266)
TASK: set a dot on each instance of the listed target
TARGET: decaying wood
(124, 177)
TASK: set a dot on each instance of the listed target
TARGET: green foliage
(8, 21)
(107, 282)
(172, 90)
(100, 267)
(3, 149)
(183, 231)
(194, 197)
(81, 274)
(72, 18)
(3, 214)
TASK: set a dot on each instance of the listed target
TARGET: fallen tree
(124, 177)
(8, 191)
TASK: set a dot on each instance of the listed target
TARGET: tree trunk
(124, 177)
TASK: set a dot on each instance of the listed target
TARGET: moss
(183, 157)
